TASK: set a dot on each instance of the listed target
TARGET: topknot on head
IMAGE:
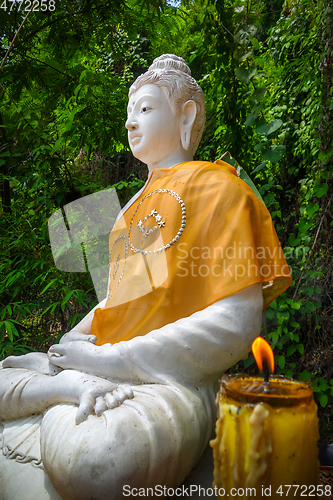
(166, 61)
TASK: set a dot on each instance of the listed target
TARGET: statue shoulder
(219, 173)
(204, 167)
(220, 179)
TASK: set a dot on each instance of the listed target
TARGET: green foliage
(323, 391)
(127, 189)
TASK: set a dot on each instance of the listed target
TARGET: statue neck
(171, 160)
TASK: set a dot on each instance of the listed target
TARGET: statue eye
(144, 109)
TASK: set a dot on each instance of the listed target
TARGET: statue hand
(74, 336)
(93, 394)
(96, 399)
(75, 355)
(37, 361)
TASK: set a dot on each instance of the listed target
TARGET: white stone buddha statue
(126, 400)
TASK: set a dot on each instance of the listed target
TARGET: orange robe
(196, 235)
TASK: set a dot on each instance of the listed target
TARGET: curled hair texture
(172, 74)
(170, 61)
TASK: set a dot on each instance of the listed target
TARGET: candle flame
(262, 351)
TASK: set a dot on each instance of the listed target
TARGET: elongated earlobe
(189, 111)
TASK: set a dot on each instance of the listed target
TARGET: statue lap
(96, 458)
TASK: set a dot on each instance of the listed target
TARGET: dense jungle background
(266, 69)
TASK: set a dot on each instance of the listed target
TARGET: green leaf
(260, 166)
(291, 349)
(54, 63)
(304, 375)
(262, 145)
(312, 209)
(229, 159)
(77, 88)
(294, 242)
(315, 274)
(269, 313)
(68, 125)
(323, 399)
(51, 307)
(287, 373)
(300, 348)
(274, 154)
(264, 128)
(246, 56)
(243, 175)
(192, 57)
(250, 120)
(218, 131)
(66, 299)
(244, 75)
(57, 146)
(249, 361)
(323, 385)
(238, 52)
(320, 190)
(282, 362)
(308, 290)
(258, 94)
(48, 285)
(257, 108)
(303, 226)
(11, 330)
(310, 307)
(255, 43)
(266, 187)
(274, 338)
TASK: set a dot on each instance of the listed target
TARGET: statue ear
(189, 112)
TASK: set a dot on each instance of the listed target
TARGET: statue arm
(24, 392)
(192, 350)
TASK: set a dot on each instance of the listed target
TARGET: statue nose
(131, 124)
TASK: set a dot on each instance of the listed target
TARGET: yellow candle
(266, 438)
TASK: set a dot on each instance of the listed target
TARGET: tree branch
(11, 45)
(315, 241)
(49, 65)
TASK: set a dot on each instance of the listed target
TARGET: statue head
(172, 75)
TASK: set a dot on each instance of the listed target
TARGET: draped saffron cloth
(196, 234)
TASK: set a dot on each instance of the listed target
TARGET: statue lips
(135, 139)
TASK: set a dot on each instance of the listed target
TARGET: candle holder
(266, 438)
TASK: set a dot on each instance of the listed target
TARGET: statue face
(153, 128)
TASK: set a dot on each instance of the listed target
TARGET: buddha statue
(127, 399)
